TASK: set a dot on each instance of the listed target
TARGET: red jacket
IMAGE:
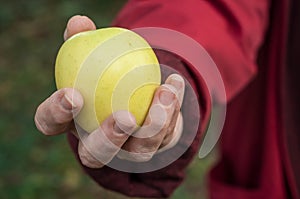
(246, 39)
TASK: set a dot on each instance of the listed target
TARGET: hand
(161, 130)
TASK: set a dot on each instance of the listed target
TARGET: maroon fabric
(261, 167)
(248, 49)
(292, 89)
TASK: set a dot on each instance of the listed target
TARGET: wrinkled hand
(55, 116)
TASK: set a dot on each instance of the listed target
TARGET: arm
(231, 32)
(236, 63)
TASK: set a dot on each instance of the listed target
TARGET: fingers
(77, 24)
(175, 127)
(100, 147)
(159, 123)
(172, 139)
(55, 114)
(178, 82)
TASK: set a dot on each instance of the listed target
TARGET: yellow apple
(113, 68)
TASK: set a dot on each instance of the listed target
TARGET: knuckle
(137, 157)
(143, 157)
(157, 125)
(170, 129)
(56, 119)
(84, 161)
(59, 117)
(144, 151)
(42, 128)
(90, 164)
(87, 159)
(151, 144)
(167, 140)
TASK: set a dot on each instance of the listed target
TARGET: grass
(32, 165)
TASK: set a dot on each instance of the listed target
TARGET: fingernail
(117, 129)
(122, 130)
(176, 81)
(124, 122)
(166, 97)
(66, 34)
(67, 103)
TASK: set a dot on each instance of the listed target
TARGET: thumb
(77, 24)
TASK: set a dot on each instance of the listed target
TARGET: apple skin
(113, 68)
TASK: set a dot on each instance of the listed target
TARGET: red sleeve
(231, 31)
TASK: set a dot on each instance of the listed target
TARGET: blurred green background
(32, 165)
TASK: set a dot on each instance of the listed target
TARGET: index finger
(56, 113)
